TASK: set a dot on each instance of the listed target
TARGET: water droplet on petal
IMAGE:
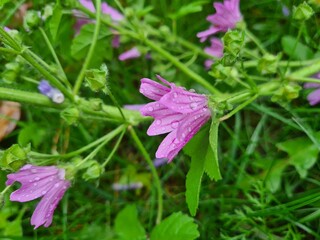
(189, 129)
(44, 192)
(174, 124)
(191, 98)
(57, 184)
(33, 170)
(35, 184)
(193, 105)
(176, 141)
(175, 95)
(205, 109)
(183, 135)
(142, 90)
(158, 122)
(36, 178)
(192, 90)
(150, 109)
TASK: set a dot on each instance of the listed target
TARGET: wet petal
(152, 89)
(170, 146)
(165, 124)
(314, 97)
(156, 110)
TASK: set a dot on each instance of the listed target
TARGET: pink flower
(314, 97)
(226, 17)
(176, 111)
(130, 54)
(47, 182)
(215, 50)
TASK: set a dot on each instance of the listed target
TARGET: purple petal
(43, 213)
(216, 48)
(159, 162)
(88, 4)
(116, 41)
(183, 101)
(113, 13)
(152, 89)
(208, 63)
(130, 54)
(170, 146)
(311, 85)
(156, 110)
(314, 97)
(205, 34)
(165, 124)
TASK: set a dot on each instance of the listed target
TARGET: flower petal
(314, 97)
(152, 89)
(165, 124)
(43, 213)
(180, 100)
(156, 110)
(170, 146)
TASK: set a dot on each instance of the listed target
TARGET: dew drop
(191, 98)
(44, 192)
(30, 180)
(189, 129)
(33, 170)
(176, 141)
(158, 122)
(193, 105)
(35, 184)
(175, 95)
(150, 109)
(36, 178)
(57, 184)
(174, 124)
(183, 135)
(192, 90)
(204, 109)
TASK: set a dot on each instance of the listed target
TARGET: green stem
(54, 55)
(153, 171)
(256, 41)
(9, 40)
(106, 139)
(306, 71)
(114, 149)
(254, 63)
(194, 48)
(303, 79)
(7, 50)
(91, 49)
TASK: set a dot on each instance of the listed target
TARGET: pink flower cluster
(176, 111)
(226, 17)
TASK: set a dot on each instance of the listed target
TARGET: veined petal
(152, 89)
(205, 34)
(170, 146)
(180, 100)
(43, 213)
(31, 191)
(156, 110)
(165, 124)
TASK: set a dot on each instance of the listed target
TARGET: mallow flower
(226, 17)
(176, 111)
(314, 97)
(45, 182)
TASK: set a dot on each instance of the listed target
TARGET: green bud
(31, 20)
(93, 171)
(268, 64)
(303, 12)
(70, 115)
(11, 72)
(286, 93)
(47, 11)
(224, 73)
(233, 42)
(14, 157)
(95, 104)
(96, 79)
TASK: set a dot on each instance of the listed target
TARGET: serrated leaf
(296, 50)
(55, 21)
(81, 43)
(127, 225)
(303, 153)
(177, 226)
(212, 160)
(197, 150)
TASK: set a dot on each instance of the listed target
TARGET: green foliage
(127, 225)
(177, 226)
(295, 49)
(55, 21)
(14, 157)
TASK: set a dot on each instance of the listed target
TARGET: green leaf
(81, 43)
(185, 10)
(31, 133)
(273, 177)
(55, 21)
(194, 176)
(303, 153)
(177, 226)
(296, 50)
(127, 224)
(3, 2)
(212, 160)
(13, 228)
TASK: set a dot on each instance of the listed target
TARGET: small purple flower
(6, 29)
(125, 187)
(226, 17)
(46, 182)
(130, 54)
(54, 94)
(176, 111)
(314, 97)
(215, 50)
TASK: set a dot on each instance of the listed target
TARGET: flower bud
(95, 104)
(96, 79)
(14, 157)
(303, 12)
(268, 64)
(224, 73)
(286, 93)
(233, 42)
(32, 20)
(93, 170)
(11, 72)
(70, 115)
